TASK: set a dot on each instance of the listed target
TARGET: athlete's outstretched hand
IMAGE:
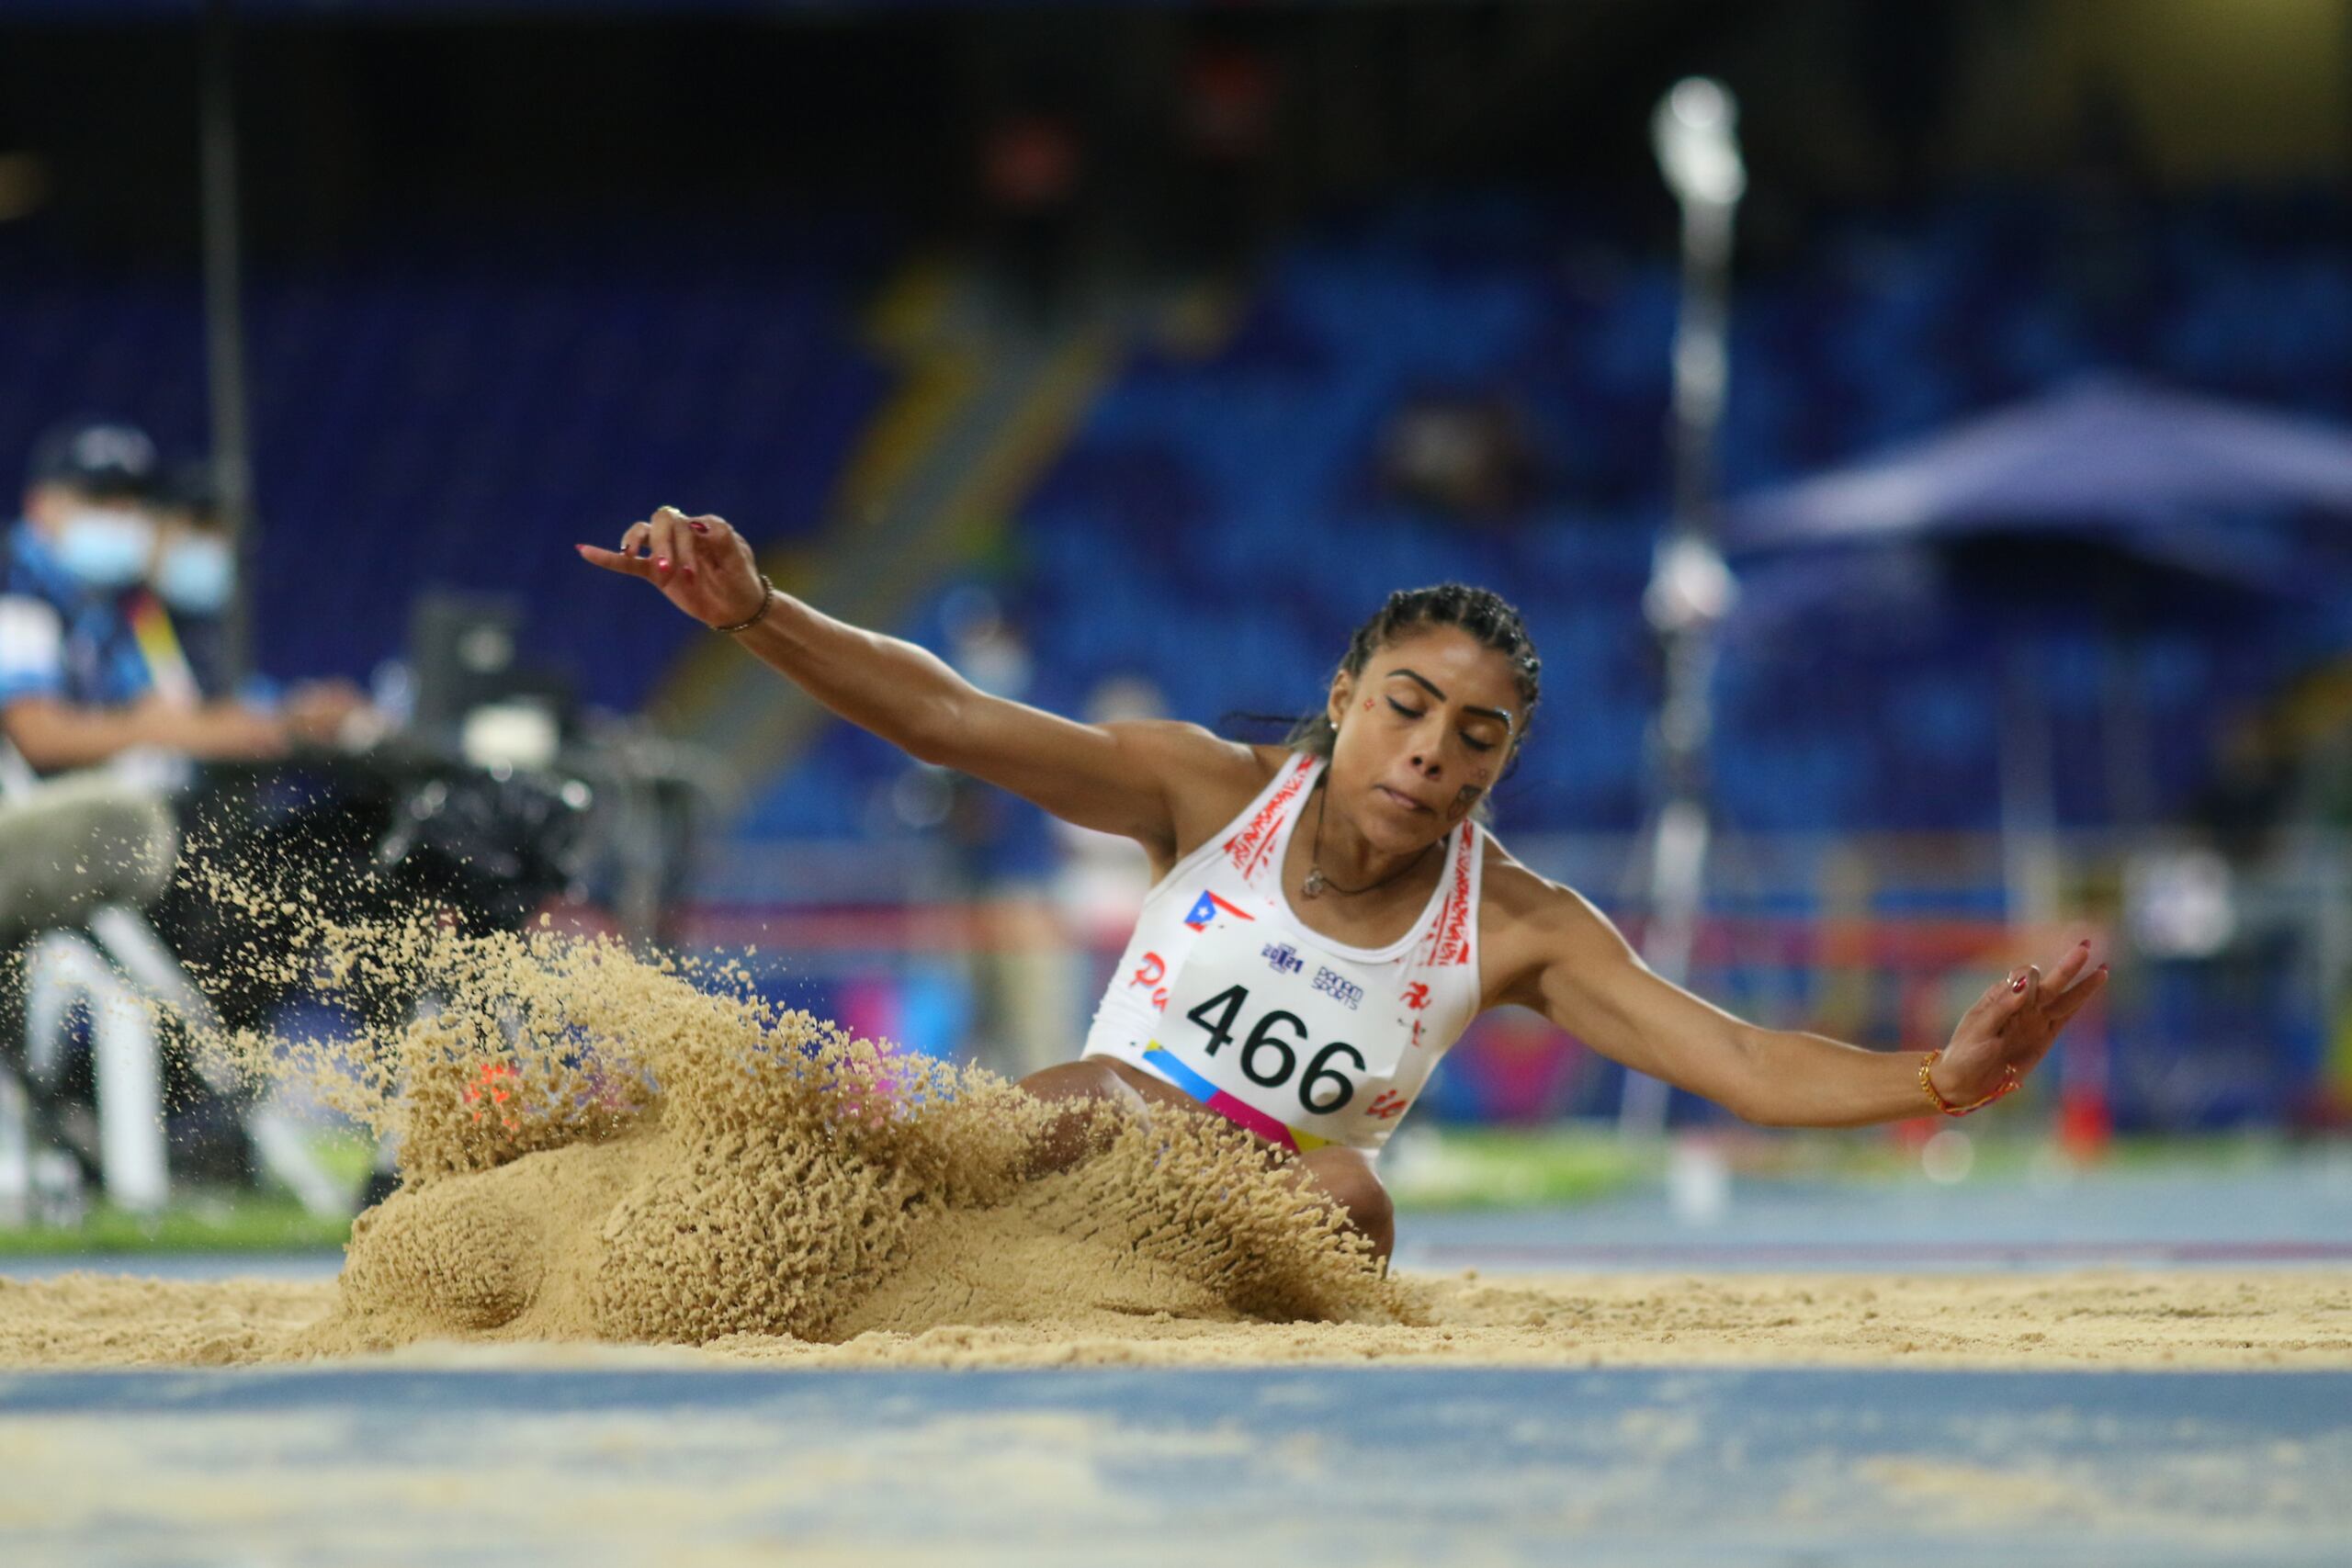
(701, 565)
(2014, 1024)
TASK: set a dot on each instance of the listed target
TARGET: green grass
(1499, 1168)
(1460, 1168)
(1516, 1168)
(244, 1222)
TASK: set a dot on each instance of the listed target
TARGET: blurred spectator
(1226, 116)
(77, 687)
(1031, 167)
(193, 577)
(1469, 458)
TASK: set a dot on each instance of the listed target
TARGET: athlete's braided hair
(1484, 614)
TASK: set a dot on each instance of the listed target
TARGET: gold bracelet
(767, 597)
(2010, 1079)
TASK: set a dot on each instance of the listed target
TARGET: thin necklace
(1315, 883)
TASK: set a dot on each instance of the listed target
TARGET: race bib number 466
(1292, 1035)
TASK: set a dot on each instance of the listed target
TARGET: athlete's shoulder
(1192, 758)
(1517, 901)
(1209, 779)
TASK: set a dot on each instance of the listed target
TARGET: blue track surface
(352, 1466)
(638, 1462)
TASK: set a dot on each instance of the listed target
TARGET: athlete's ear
(1343, 691)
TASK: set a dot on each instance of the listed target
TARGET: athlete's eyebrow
(1426, 684)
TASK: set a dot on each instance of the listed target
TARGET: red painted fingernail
(660, 563)
(2085, 942)
(2018, 983)
(2102, 968)
(698, 527)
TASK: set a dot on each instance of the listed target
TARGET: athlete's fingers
(614, 560)
(696, 551)
(2064, 1007)
(2019, 994)
(668, 524)
(2063, 973)
(633, 538)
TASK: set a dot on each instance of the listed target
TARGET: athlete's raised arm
(1555, 952)
(1116, 778)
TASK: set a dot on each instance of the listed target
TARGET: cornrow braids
(1484, 614)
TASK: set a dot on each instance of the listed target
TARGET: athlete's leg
(1086, 1083)
(1346, 1177)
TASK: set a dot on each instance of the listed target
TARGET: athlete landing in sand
(1326, 916)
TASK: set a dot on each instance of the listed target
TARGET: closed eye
(1471, 740)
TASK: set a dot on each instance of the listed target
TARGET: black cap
(98, 459)
(189, 487)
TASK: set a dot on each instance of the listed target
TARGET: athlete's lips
(1401, 798)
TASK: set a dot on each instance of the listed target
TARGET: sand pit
(2299, 1320)
(603, 1155)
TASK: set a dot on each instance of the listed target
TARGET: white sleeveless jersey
(1224, 994)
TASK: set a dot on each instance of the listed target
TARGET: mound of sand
(594, 1148)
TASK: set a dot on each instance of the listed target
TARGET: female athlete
(1326, 916)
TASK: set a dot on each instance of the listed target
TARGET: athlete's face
(1424, 733)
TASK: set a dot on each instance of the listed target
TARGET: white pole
(1694, 132)
(65, 968)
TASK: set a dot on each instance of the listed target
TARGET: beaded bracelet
(2010, 1079)
(767, 597)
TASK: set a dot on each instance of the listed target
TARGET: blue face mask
(196, 574)
(104, 548)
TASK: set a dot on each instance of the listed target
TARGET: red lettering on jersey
(1248, 849)
(1417, 997)
(1150, 971)
(1449, 942)
(1387, 1105)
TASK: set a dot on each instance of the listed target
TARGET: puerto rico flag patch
(1207, 908)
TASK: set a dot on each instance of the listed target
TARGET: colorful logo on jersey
(1283, 957)
(1332, 983)
(1206, 909)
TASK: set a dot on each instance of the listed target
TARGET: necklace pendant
(1313, 887)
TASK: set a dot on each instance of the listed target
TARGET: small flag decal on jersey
(1207, 910)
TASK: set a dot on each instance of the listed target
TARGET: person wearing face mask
(179, 615)
(77, 689)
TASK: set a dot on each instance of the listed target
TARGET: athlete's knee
(1085, 1093)
(1350, 1182)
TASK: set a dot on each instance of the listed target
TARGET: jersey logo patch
(1206, 909)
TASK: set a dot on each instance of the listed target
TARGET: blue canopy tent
(2165, 476)
(2110, 497)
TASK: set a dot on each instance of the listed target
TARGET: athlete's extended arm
(1111, 777)
(1564, 959)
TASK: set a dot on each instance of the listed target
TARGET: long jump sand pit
(600, 1151)
(2105, 1318)
(677, 1278)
